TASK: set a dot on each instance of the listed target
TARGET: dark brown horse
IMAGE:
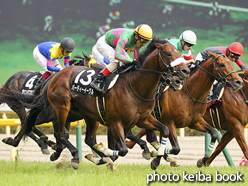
(233, 115)
(15, 83)
(186, 108)
(129, 102)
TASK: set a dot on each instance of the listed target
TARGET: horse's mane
(150, 48)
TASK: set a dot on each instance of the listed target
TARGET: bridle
(220, 76)
(170, 70)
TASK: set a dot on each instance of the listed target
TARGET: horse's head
(223, 71)
(174, 82)
(170, 58)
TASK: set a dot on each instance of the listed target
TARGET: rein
(170, 69)
(220, 78)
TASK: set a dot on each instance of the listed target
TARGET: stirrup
(96, 85)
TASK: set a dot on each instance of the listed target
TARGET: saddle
(31, 83)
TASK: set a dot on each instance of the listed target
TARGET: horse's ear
(212, 54)
(158, 45)
(86, 56)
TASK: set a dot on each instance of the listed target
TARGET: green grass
(41, 173)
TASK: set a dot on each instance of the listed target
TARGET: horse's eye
(222, 65)
(168, 54)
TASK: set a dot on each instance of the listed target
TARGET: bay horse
(187, 107)
(233, 117)
(129, 102)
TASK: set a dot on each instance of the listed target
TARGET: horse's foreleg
(226, 138)
(141, 143)
(41, 144)
(90, 137)
(203, 126)
(141, 133)
(238, 133)
(116, 140)
(152, 124)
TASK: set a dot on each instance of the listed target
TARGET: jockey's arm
(190, 61)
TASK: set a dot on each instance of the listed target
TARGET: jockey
(233, 52)
(185, 43)
(47, 54)
(111, 47)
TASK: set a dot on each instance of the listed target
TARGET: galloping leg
(240, 138)
(226, 138)
(152, 124)
(146, 153)
(60, 101)
(203, 126)
(130, 144)
(90, 140)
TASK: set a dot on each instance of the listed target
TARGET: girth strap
(101, 108)
(215, 117)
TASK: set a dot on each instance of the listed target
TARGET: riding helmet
(144, 31)
(188, 36)
(68, 44)
(236, 48)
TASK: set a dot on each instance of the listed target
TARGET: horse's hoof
(154, 166)
(199, 163)
(111, 166)
(146, 155)
(75, 163)
(45, 151)
(8, 141)
(154, 154)
(92, 158)
(174, 164)
(54, 157)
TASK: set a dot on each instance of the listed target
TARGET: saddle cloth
(30, 83)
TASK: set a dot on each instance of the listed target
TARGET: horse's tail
(13, 96)
(38, 99)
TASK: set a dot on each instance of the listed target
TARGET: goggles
(188, 44)
(235, 56)
(65, 51)
(143, 40)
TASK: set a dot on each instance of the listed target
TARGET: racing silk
(51, 50)
(121, 39)
(186, 55)
(218, 50)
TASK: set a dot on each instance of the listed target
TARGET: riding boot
(39, 81)
(217, 88)
(97, 82)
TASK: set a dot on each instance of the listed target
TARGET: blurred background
(26, 23)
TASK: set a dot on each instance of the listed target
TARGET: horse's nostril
(239, 82)
(186, 71)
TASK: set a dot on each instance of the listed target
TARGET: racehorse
(186, 108)
(233, 117)
(128, 102)
(15, 82)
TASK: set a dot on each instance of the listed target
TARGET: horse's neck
(200, 82)
(145, 82)
(245, 87)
